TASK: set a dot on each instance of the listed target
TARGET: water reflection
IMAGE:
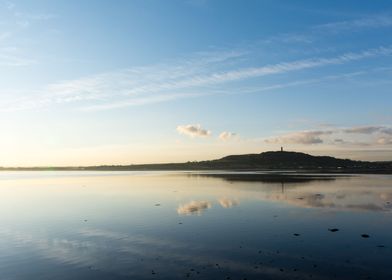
(196, 226)
(339, 192)
(273, 177)
(335, 197)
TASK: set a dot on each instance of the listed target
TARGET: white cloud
(193, 207)
(226, 136)
(193, 130)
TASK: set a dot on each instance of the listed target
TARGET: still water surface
(189, 225)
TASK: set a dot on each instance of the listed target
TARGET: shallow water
(189, 225)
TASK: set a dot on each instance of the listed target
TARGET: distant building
(281, 149)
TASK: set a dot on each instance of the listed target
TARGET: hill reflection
(330, 192)
(269, 177)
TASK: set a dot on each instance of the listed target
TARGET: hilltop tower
(281, 149)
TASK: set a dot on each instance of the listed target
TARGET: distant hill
(280, 160)
(293, 160)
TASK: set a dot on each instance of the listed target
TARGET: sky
(122, 82)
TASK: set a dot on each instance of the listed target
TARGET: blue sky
(103, 82)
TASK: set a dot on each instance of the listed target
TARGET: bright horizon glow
(95, 83)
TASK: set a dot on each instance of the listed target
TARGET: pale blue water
(189, 225)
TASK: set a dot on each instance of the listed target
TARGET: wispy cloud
(197, 76)
(23, 18)
(318, 32)
(17, 22)
(367, 22)
(13, 57)
(8, 5)
(4, 36)
(279, 68)
(328, 78)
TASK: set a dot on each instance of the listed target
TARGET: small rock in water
(365, 235)
(158, 204)
(333, 229)
(381, 246)
(296, 234)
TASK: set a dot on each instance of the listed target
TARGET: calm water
(135, 225)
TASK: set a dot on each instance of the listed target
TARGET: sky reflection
(175, 226)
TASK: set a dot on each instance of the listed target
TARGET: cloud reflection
(227, 202)
(334, 192)
(347, 199)
(193, 208)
